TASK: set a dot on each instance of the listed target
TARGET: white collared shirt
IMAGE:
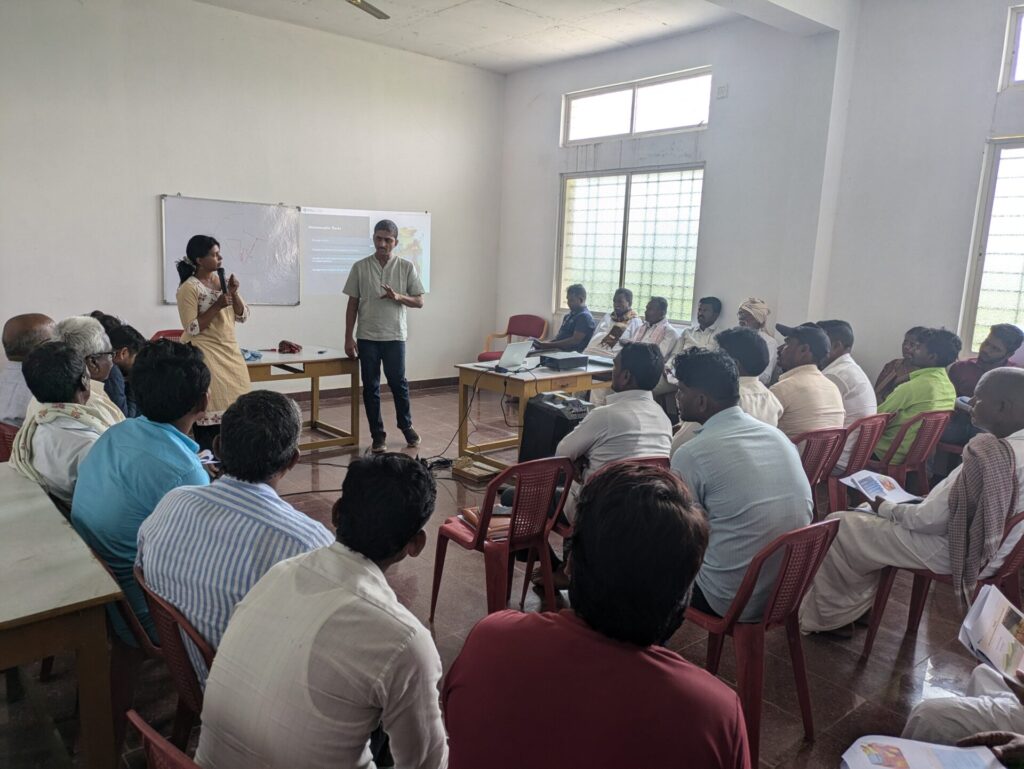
(809, 401)
(854, 386)
(315, 656)
(14, 394)
(632, 424)
(661, 333)
(695, 336)
(858, 396)
(773, 354)
(931, 516)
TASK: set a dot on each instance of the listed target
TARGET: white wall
(764, 151)
(106, 104)
(923, 102)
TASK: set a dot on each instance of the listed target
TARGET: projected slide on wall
(333, 239)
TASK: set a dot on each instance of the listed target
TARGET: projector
(561, 361)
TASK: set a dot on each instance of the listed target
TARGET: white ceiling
(498, 35)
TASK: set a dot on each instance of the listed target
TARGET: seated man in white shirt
(320, 651)
(621, 321)
(56, 437)
(750, 352)
(655, 330)
(630, 425)
(21, 335)
(204, 547)
(842, 370)
(702, 336)
(929, 535)
(809, 400)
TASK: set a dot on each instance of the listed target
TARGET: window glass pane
(605, 114)
(673, 105)
(661, 247)
(1001, 299)
(592, 237)
(1018, 66)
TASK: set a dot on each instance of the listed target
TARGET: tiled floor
(850, 698)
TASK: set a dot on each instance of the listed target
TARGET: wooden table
(312, 363)
(524, 386)
(52, 597)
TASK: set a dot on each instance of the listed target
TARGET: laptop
(512, 358)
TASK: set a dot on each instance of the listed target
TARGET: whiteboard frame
(163, 240)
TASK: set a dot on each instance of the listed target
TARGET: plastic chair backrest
(160, 753)
(167, 333)
(1015, 560)
(803, 550)
(527, 325)
(821, 451)
(933, 423)
(664, 462)
(7, 433)
(535, 483)
(170, 624)
(130, 617)
(870, 433)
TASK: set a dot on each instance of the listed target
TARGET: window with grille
(637, 230)
(996, 291)
(674, 102)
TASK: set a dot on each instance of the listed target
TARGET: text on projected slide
(333, 239)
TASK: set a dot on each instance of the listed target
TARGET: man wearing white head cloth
(753, 313)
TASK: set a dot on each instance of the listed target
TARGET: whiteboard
(259, 243)
(333, 239)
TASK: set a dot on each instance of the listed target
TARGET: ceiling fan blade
(370, 9)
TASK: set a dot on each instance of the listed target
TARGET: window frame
(1011, 51)
(979, 239)
(558, 298)
(632, 86)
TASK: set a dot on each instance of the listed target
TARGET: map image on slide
(333, 239)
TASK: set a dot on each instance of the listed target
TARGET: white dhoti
(988, 705)
(845, 585)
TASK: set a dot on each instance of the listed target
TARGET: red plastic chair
(518, 325)
(799, 553)
(932, 425)
(1006, 579)
(529, 525)
(167, 333)
(7, 433)
(564, 530)
(160, 754)
(170, 624)
(821, 450)
(868, 431)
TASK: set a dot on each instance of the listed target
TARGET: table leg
(463, 417)
(94, 705)
(314, 400)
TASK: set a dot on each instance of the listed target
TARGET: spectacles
(107, 353)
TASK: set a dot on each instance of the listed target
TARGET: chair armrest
(491, 337)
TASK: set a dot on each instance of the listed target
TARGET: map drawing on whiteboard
(259, 243)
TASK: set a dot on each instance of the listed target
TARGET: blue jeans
(392, 355)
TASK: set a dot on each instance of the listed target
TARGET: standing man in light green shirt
(929, 388)
(379, 288)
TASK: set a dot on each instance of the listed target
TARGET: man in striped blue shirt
(204, 547)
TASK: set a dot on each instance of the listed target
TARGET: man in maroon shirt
(1003, 340)
(609, 694)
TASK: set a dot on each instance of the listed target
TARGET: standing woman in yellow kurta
(208, 316)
